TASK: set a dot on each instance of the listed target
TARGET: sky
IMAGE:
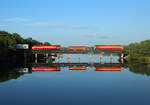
(77, 22)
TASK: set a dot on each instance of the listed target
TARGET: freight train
(96, 47)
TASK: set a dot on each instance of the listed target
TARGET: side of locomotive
(77, 47)
(46, 47)
(108, 47)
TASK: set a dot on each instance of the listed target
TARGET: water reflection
(108, 68)
(77, 68)
(139, 68)
(75, 83)
(45, 68)
(22, 70)
(9, 72)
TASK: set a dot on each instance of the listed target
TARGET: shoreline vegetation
(8, 43)
(137, 52)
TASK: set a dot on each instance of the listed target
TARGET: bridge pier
(122, 61)
(68, 58)
(122, 58)
(90, 57)
(122, 55)
(46, 57)
(36, 57)
(100, 58)
(111, 57)
(79, 58)
(58, 56)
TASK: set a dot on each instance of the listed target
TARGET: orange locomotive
(108, 68)
(108, 47)
(77, 48)
(45, 68)
(46, 47)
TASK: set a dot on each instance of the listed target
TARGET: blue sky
(78, 22)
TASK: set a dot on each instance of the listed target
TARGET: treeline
(8, 43)
(138, 50)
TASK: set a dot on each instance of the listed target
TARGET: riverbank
(145, 60)
(139, 52)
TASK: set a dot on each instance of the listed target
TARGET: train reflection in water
(77, 68)
(72, 66)
(45, 68)
(108, 68)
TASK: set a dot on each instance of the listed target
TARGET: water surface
(129, 86)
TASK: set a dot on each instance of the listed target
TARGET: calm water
(130, 86)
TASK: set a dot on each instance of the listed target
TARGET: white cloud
(47, 25)
(16, 20)
(82, 27)
(97, 36)
(2, 25)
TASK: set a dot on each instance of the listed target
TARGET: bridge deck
(78, 51)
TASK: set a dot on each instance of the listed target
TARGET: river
(127, 86)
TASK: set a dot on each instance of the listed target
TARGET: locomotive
(46, 47)
(108, 47)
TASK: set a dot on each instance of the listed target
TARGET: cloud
(134, 14)
(96, 36)
(15, 20)
(61, 26)
(82, 27)
(2, 25)
(46, 25)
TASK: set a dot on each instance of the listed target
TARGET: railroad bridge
(68, 52)
(50, 51)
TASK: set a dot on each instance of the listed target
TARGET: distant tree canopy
(8, 41)
(141, 49)
(47, 43)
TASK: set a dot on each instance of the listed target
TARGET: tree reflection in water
(8, 72)
(139, 68)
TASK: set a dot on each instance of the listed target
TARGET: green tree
(46, 43)
(18, 38)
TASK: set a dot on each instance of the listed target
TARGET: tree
(18, 38)
(46, 43)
